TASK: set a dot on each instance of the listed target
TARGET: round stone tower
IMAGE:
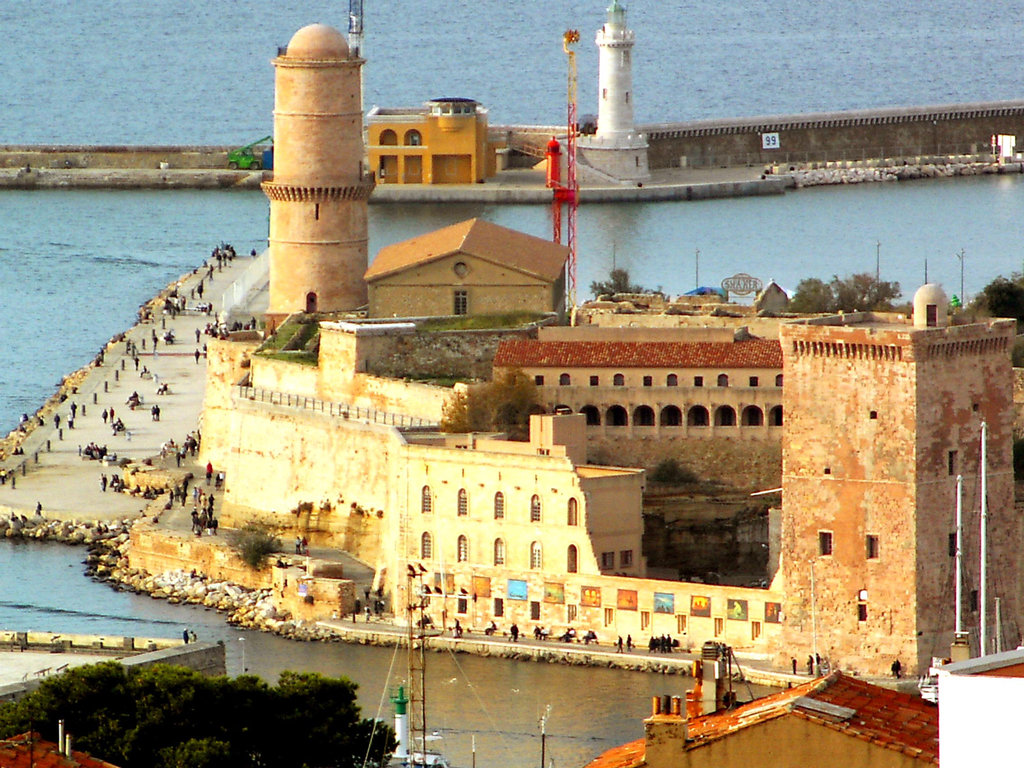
(319, 192)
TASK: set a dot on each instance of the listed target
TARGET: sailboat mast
(984, 539)
(417, 709)
(959, 576)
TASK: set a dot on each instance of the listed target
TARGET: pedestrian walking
(197, 352)
(103, 483)
(209, 472)
(104, 415)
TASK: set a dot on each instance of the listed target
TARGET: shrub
(254, 542)
(671, 472)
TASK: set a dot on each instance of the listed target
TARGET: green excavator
(245, 158)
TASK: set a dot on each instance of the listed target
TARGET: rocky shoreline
(862, 174)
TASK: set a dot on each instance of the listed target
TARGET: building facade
(443, 142)
(883, 413)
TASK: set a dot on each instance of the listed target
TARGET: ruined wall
(158, 551)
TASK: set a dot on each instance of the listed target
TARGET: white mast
(957, 622)
(984, 541)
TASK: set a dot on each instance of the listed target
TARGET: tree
(171, 717)
(617, 282)
(1003, 298)
(860, 292)
(253, 542)
(503, 405)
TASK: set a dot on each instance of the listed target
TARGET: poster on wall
(664, 602)
(482, 586)
(554, 593)
(590, 597)
(627, 600)
(773, 613)
(516, 589)
(700, 606)
(736, 610)
(449, 582)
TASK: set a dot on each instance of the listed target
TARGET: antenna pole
(958, 617)
(984, 540)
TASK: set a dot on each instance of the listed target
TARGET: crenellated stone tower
(319, 191)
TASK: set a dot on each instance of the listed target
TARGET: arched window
(619, 380)
(463, 549)
(463, 508)
(723, 380)
(536, 556)
(499, 506)
(672, 380)
(775, 416)
(564, 380)
(499, 552)
(752, 416)
(778, 380)
(593, 415)
(388, 137)
(616, 417)
(426, 547)
(671, 416)
(573, 513)
(643, 416)
(310, 303)
(725, 416)
(572, 559)
(697, 416)
(535, 509)
(426, 500)
(413, 138)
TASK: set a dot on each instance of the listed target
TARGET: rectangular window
(719, 626)
(952, 545)
(951, 462)
(645, 620)
(680, 623)
(499, 607)
(872, 547)
(974, 600)
(753, 381)
(570, 612)
(462, 605)
(538, 380)
(755, 630)
(461, 302)
(534, 610)
(824, 542)
(607, 561)
(594, 381)
(609, 616)
(648, 381)
(626, 558)
(862, 611)
(698, 381)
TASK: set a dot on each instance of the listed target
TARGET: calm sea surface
(75, 265)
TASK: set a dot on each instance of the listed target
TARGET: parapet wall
(157, 551)
(113, 156)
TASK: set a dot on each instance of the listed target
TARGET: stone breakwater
(866, 174)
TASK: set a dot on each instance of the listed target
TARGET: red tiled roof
(887, 718)
(525, 353)
(29, 751)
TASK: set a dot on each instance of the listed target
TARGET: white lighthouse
(617, 151)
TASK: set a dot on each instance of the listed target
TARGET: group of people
(662, 644)
(204, 521)
(114, 483)
(94, 452)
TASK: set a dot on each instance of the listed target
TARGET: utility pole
(696, 269)
(960, 256)
(878, 262)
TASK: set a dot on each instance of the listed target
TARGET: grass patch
(481, 322)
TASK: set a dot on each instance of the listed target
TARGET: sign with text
(770, 141)
(742, 284)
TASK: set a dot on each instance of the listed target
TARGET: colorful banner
(664, 602)
(736, 610)
(554, 593)
(700, 606)
(590, 597)
(627, 600)
(482, 586)
(773, 613)
(516, 589)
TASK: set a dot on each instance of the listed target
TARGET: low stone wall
(108, 156)
(858, 174)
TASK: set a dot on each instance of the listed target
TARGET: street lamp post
(961, 257)
(696, 268)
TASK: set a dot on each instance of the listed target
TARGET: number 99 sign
(770, 141)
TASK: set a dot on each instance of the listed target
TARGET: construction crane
(355, 27)
(568, 193)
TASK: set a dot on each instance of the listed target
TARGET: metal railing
(331, 408)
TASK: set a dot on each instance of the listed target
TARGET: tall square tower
(883, 412)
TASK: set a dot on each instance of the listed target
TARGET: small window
(426, 500)
(538, 380)
(698, 381)
(755, 630)
(413, 138)
(572, 559)
(461, 303)
(872, 547)
(824, 542)
(536, 556)
(462, 605)
(754, 381)
(681, 623)
(645, 620)
(570, 612)
(951, 462)
(463, 503)
(862, 611)
(499, 506)
(931, 315)
(828, 470)
(535, 509)
(873, 415)
(973, 601)
(499, 607)
(595, 381)
(619, 380)
(672, 380)
(719, 627)
(426, 546)
(534, 610)
(723, 380)
(499, 552)
(564, 380)
(607, 561)
(778, 380)
(648, 381)
(609, 616)
(626, 558)
(463, 549)
(573, 512)
(952, 545)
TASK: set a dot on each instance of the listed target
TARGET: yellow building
(471, 268)
(443, 142)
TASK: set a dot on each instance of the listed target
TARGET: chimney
(67, 745)
(665, 731)
(60, 735)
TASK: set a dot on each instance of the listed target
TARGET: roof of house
(30, 751)
(475, 237)
(525, 353)
(886, 718)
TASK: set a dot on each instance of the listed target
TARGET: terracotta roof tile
(525, 353)
(25, 752)
(476, 237)
(623, 756)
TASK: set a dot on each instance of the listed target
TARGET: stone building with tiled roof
(810, 724)
(471, 268)
(656, 393)
(28, 750)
